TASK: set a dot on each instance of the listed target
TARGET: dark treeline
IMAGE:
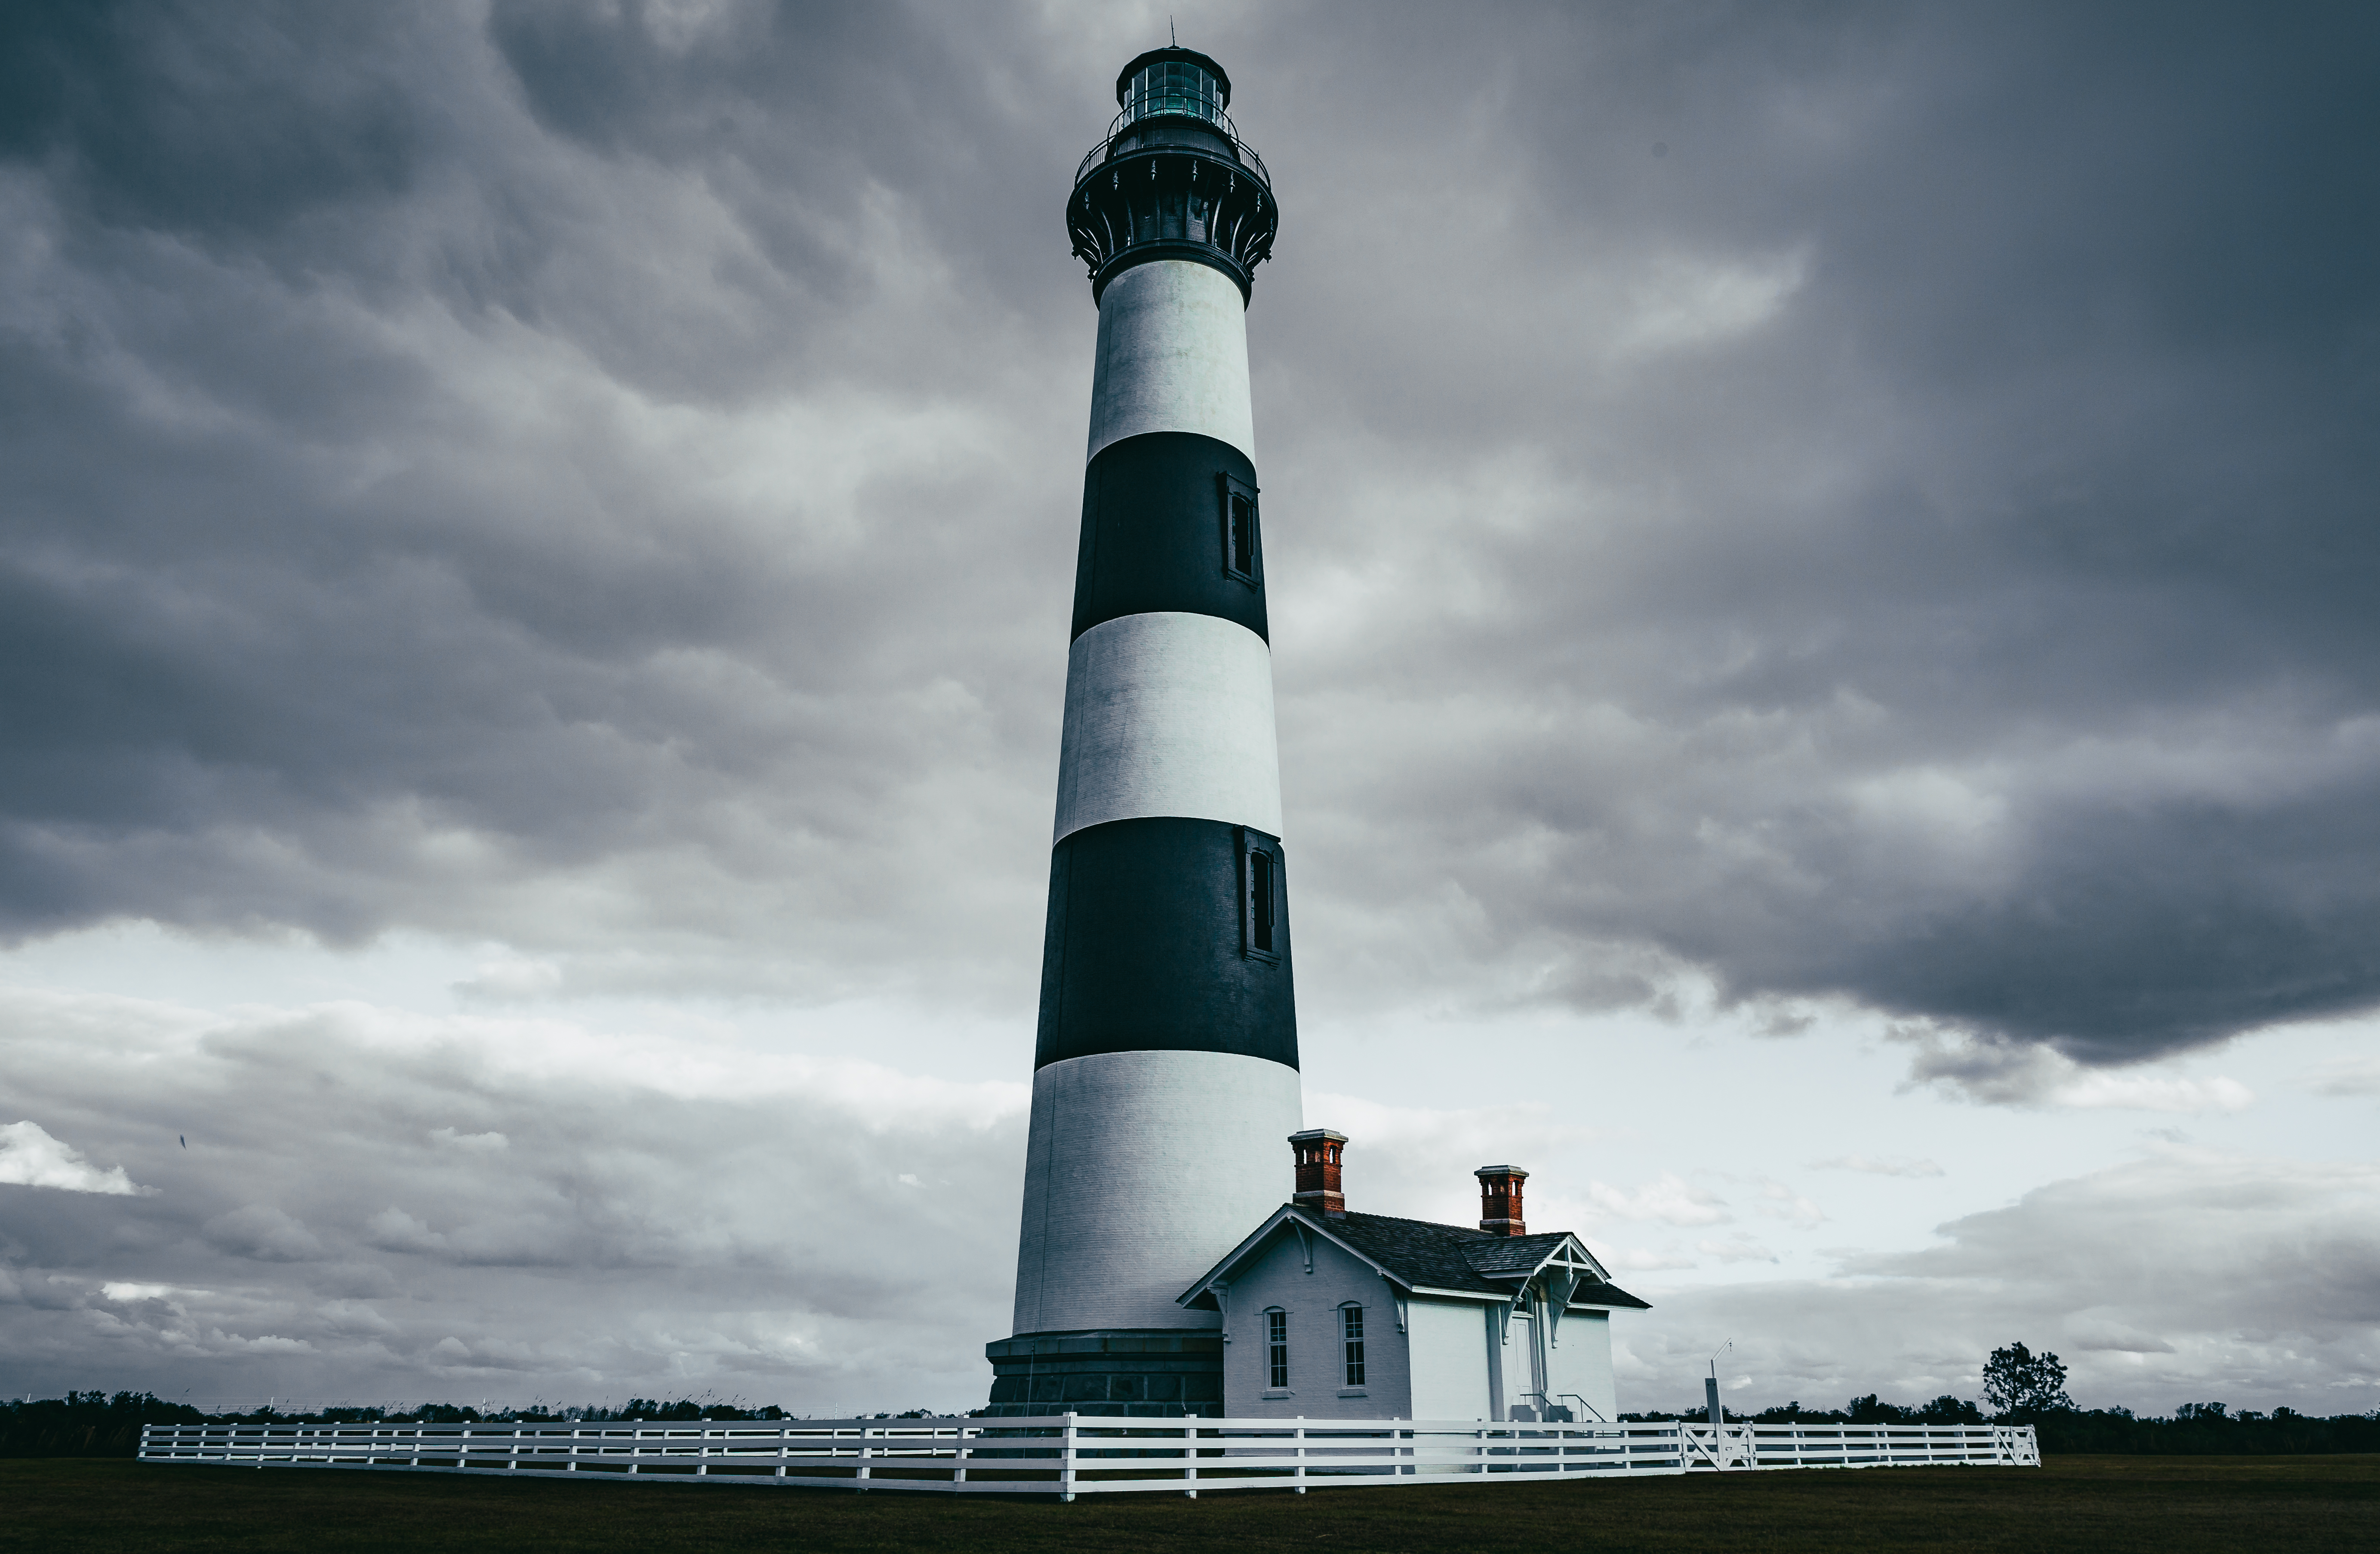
(2207, 1430)
(1869, 1410)
(2195, 1429)
(85, 1424)
(95, 1425)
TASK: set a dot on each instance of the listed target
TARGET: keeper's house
(1328, 1315)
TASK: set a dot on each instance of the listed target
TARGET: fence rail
(1069, 1455)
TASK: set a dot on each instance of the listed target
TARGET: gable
(1419, 1255)
(1520, 1256)
(1301, 1236)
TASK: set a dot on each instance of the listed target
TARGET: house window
(1242, 544)
(1352, 1332)
(1276, 1348)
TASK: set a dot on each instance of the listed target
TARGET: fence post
(862, 1480)
(1066, 1463)
(962, 1452)
(1300, 1453)
(1190, 1457)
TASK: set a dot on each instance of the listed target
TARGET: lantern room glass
(1174, 86)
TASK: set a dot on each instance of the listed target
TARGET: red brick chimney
(1319, 1151)
(1499, 1199)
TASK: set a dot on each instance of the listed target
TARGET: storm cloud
(371, 1206)
(2116, 1271)
(1859, 502)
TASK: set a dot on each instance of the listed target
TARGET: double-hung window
(1276, 1348)
(1350, 1318)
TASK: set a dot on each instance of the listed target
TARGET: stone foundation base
(1132, 1372)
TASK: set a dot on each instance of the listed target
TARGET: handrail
(1220, 120)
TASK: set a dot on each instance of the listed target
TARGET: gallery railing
(1214, 118)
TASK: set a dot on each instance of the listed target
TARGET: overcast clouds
(1853, 523)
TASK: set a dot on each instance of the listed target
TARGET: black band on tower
(1162, 532)
(1167, 935)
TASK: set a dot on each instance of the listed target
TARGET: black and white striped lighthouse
(1165, 1075)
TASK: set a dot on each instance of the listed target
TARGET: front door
(1521, 1388)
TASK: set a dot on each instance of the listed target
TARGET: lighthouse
(1165, 1068)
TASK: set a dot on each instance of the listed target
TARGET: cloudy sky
(1824, 578)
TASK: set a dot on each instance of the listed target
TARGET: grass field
(2104, 1505)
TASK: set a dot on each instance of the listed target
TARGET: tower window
(1352, 1338)
(1276, 1348)
(1260, 901)
(1243, 543)
(1260, 921)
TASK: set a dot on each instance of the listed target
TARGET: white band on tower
(1141, 1168)
(1173, 357)
(1169, 713)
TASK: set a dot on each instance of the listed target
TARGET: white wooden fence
(1070, 1454)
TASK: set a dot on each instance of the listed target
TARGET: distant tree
(2016, 1381)
(1871, 1410)
(1794, 1414)
(441, 1413)
(1948, 1410)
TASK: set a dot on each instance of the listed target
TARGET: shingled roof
(1516, 1254)
(1418, 1254)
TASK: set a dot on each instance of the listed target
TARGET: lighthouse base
(1140, 1373)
